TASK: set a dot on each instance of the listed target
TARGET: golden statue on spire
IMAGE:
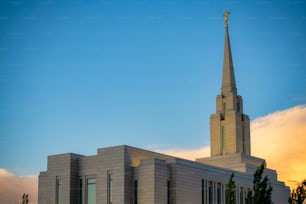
(226, 14)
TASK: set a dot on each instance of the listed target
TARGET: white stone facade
(143, 177)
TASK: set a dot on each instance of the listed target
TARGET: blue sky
(76, 75)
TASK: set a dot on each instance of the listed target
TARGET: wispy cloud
(13, 187)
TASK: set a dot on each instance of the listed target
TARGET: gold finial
(226, 14)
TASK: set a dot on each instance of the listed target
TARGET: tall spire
(229, 126)
(228, 77)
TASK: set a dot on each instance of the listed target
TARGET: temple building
(129, 175)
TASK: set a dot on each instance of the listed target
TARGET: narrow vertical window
(202, 191)
(80, 191)
(219, 193)
(241, 195)
(58, 190)
(168, 192)
(109, 188)
(238, 107)
(224, 107)
(243, 139)
(235, 194)
(210, 192)
(91, 191)
(222, 139)
(135, 192)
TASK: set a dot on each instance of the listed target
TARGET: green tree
(249, 198)
(25, 198)
(298, 195)
(230, 191)
(262, 189)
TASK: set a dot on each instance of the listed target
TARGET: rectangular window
(109, 188)
(241, 195)
(210, 192)
(222, 139)
(219, 193)
(243, 140)
(135, 192)
(235, 194)
(224, 107)
(91, 191)
(202, 191)
(80, 191)
(58, 190)
(168, 192)
(206, 188)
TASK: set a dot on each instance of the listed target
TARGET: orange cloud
(13, 187)
(280, 138)
(190, 154)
